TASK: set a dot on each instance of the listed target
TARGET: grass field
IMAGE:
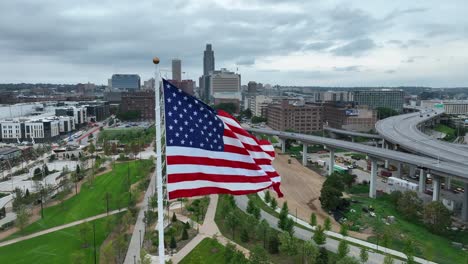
(56, 247)
(428, 245)
(208, 251)
(448, 131)
(91, 200)
(127, 135)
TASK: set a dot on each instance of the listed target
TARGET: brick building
(141, 101)
(299, 117)
(349, 116)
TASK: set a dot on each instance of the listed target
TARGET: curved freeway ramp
(403, 130)
(351, 133)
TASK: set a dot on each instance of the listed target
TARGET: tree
(244, 235)
(250, 206)
(330, 197)
(343, 249)
(108, 255)
(185, 234)
(173, 243)
(327, 224)
(436, 217)
(85, 230)
(384, 112)
(313, 219)
(230, 108)
(144, 258)
(232, 220)
(319, 235)
(78, 169)
(37, 173)
(283, 216)
(120, 247)
(273, 244)
(388, 259)
(322, 256)
(258, 255)
(22, 217)
(46, 170)
(409, 250)
(344, 230)
(288, 244)
(174, 218)
(267, 197)
(75, 179)
(363, 255)
(258, 119)
(273, 203)
(310, 252)
(262, 228)
(91, 148)
(409, 205)
(348, 260)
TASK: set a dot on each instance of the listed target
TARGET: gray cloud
(353, 68)
(413, 59)
(355, 48)
(246, 61)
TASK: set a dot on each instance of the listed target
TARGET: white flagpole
(159, 178)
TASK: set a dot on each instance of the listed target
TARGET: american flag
(209, 152)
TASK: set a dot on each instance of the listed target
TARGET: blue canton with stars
(190, 122)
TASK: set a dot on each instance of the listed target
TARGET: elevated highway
(404, 132)
(352, 133)
(438, 167)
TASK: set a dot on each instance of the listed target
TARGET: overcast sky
(327, 43)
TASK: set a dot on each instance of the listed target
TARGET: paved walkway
(208, 229)
(57, 228)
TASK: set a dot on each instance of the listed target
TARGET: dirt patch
(301, 188)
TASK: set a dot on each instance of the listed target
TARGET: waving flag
(209, 152)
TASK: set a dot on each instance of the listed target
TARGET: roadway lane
(442, 168)
(403, 130)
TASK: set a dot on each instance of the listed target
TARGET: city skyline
(293, 43)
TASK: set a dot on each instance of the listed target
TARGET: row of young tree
(434, 215)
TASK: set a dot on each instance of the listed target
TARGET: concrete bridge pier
(283, 145)
(464, 215)
(412, 171)
(398, 170)
(422, 181)
(304, 154)
(331, 162)
(448, 183)
(435, 188)
(373, 178)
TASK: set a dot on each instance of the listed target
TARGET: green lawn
(448, 131)
(209, 251)
(128, 135)
(91, 200)
(56, 247)
(428, 245)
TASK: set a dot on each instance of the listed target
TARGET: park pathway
(208, 229)
(57, 228)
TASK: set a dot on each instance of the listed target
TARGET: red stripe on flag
(208, 190)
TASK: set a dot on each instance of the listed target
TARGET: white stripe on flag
(207, 169)
(232, 186)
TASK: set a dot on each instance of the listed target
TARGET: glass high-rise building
(208, 60)
(388, 98)
(126, 81)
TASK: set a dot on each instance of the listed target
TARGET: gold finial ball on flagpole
(156, 60)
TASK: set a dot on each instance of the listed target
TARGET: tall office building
(388, 98)
(208, 60)
(177, 70)
(126, 81)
